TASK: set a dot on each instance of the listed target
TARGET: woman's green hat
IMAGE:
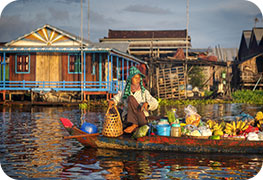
(133, 71)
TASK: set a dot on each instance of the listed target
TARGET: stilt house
(49, 59)
(250, 58)
(142, 43)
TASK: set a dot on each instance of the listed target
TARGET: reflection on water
(32, 147)
(148, 165)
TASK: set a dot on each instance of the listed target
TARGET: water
(32, 147)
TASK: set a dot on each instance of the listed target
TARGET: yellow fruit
(229, 132)
(182, 124)
(234, 125)
(228, 125)
(245, 127)
(259, 115)
(242, 125)
(218, 133)
(238, 124)
(222, 125)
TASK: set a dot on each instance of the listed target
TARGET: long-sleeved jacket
(140, 97)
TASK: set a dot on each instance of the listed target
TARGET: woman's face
(136, 79)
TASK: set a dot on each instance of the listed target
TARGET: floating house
(250, 59)
(143, 43)
(51, 60)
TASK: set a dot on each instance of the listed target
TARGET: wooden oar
(82, 135)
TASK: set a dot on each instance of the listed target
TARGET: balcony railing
(91, 86)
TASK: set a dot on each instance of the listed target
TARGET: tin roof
(146, 34)
(258, 34)
(247, 36)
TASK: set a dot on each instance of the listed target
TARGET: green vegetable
(171, 116)
(141, 132)
(215, 137)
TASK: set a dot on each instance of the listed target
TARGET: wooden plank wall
(13, 76)
(48, 67)
(65, 75)
(88, 69)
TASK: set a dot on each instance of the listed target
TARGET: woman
(136, 99)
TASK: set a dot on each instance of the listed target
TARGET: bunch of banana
(259, 119)
(217, 129)
(230, 128)
(211, 123)
(234, 127)
(259, 116)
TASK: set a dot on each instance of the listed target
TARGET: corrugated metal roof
(247, 36)
(258, 34)
(120, 46)
(146, 34)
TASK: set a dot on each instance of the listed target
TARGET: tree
(196, 77)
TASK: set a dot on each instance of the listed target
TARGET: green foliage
(166, 102)
(208, 93)
(196, 77)
(244, 96)
(248, 96)
(83, 106)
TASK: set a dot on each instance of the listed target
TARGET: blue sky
(211, 22)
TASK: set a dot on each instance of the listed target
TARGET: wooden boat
(163, 143)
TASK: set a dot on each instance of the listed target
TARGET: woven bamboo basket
(112, 126)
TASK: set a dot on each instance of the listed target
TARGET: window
(22, 64)
(74, 63)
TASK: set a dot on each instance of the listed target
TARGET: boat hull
(165, 143)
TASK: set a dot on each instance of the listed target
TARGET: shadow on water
(32, 146)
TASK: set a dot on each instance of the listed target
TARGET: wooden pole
(81, 50)
(186, 51)
(88, 19)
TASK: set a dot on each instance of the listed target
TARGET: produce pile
(244, 127)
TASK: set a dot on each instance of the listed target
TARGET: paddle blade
(66, 122)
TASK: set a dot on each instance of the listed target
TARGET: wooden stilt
(3, 95)
(84, 96)
(88, 97)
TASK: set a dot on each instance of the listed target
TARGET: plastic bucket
(163, 130)
(89, 128)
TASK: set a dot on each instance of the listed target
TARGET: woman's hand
(111, 103)
(144, 106)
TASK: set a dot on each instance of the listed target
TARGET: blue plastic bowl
(89, 128)
(163, 129)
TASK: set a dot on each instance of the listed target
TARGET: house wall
(249, 65)
(48, 67)
(13, 76)
(88, 69)
(65, 75)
